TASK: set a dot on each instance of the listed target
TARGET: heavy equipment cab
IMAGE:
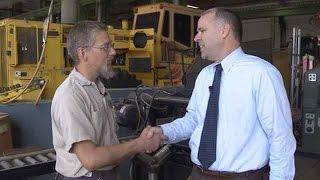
(160, 43)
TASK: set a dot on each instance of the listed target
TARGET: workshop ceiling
(31, 9)
(205, 4)
(26, 5)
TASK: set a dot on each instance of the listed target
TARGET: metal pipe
(152, 176)
(299, 45)
(18, 162)
(52, 156)
(298, 74)
(5, 165)
(292, 66)
(41, 158)
(98, 10)
(169, 65)
(69, 11)
(172, 99)
(30, 160)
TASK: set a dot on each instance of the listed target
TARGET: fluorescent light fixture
(194, 7)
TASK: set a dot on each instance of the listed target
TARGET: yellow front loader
(155, 52)
(159, 44)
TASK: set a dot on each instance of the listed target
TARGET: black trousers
(260, 174)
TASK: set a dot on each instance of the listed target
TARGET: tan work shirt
(81, 110)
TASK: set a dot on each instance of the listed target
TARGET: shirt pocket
(98, 123)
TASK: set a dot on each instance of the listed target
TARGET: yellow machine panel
(21, 46)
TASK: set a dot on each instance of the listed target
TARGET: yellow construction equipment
(156, 46)
(154, 50)
(21, 46)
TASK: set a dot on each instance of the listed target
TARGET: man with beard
(83, 121)
(238, 118)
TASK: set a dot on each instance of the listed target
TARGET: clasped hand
(151, 138)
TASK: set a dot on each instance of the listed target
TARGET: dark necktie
(207, 148)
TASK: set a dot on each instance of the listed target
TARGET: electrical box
(311, 112)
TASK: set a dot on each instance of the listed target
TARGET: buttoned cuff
(167, 132)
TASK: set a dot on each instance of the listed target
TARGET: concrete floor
(307, 167)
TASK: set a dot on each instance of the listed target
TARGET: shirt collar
(101, 88)
(85, 82)
(228, 61)
(80, 78)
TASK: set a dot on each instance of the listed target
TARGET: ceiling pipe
(69, 11)
(98, 10)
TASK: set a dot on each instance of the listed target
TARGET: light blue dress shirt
(255, 124)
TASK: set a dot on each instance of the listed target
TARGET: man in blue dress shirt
(254, 124)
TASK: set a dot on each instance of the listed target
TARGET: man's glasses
(106, 48)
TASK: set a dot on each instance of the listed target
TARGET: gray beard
(107, 72)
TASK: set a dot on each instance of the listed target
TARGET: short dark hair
(229, 17)
(82, 35)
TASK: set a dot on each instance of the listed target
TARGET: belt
(262, 170)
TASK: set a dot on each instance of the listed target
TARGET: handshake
(150, 139)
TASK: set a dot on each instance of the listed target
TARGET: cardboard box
(5, 133)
